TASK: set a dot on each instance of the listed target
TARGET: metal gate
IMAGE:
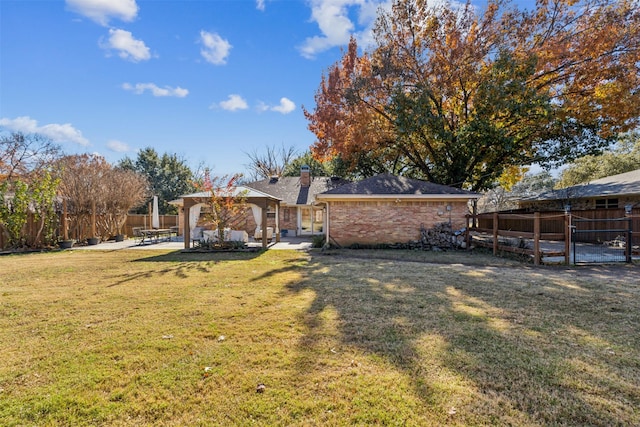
(601, 240)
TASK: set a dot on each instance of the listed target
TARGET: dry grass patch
(157, 338)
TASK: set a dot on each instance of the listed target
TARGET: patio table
(154, 235)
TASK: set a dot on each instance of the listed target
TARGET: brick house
(390, 209)
(381, 209)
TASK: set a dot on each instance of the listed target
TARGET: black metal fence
(601, 240)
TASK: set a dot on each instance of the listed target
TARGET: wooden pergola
(250, 195)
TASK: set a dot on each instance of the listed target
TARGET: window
(311, 220)
(606, 203)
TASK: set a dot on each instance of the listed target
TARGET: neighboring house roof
(627, 184)
(387, 185)
(289, 190)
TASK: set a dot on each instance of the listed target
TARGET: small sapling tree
(225, 203)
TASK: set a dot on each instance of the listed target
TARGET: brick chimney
(305, 176)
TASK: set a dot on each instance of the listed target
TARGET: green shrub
(318, 241)
(230, 245)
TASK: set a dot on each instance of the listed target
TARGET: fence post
(93, 218)
(629, 244)
(467, 237)
(536, 238)
(567, 237)
(495, 233)
(466, 234)
(65, 224)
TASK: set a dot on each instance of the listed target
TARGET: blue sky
(210, 80)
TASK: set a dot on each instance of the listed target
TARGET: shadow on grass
(180, 263)
(213, 256)
(529, 346)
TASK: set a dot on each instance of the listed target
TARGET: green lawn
(341, 338)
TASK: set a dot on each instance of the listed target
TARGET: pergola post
(186, 232)
(264, 224)
(277, 222)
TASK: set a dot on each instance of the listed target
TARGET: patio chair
(197, 236)
(137, 235)
(174, 231)
(258, 234)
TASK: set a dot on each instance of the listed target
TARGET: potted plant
(65, 244)
(119, 219)
(93, 241)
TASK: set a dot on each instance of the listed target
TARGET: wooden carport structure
(251, 197)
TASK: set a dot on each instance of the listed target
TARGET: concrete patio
(286, 243)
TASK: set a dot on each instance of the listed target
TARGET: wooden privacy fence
(600, 220)
(133, 220)
(144, 221)
(30, 231)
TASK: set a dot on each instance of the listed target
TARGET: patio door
(311, 220)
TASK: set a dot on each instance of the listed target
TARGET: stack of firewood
(442, 236)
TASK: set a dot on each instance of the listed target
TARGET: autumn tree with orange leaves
(463, 98)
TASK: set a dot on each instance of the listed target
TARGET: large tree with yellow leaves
(466, 98)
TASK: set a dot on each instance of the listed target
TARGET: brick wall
(374, 222)
(288, 220)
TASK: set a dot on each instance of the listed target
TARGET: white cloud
(118, 146)
(128, 47)
(260, 5)
(233, 103)
(140, 88)
(64, 132)
(56, 132)
(216, 49)
(23, 124)
(285, 107)
(101, 11)
(336, 25)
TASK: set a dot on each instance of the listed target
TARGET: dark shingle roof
(627, 183)
(288, 189)
(387, 184)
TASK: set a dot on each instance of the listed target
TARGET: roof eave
(329, 197)
(576, 197)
